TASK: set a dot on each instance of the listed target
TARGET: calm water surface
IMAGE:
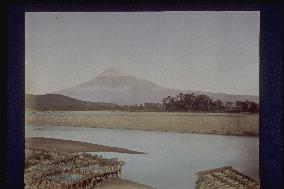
(172, 159)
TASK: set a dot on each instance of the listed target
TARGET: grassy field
(213, 123)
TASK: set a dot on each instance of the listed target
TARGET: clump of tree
(192, 102)
(247, 106)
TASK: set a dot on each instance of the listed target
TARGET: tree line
(181, 102)
(192, 102)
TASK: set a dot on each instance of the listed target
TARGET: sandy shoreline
(69, 146)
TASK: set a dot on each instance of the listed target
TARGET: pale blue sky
(206, 51)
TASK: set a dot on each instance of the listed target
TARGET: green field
(214, 123)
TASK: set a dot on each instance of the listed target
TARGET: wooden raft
(224, 178)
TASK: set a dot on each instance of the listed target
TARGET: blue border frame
(271, 58)
(271, 131)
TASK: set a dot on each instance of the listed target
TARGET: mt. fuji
(117, 87)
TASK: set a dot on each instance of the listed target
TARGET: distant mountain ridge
(113, 86)
(57, 102)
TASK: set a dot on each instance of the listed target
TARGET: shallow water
(172, 159)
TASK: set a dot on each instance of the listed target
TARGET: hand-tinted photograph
(142, 100)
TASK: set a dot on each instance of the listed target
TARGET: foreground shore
(203, 123)
(50, 152)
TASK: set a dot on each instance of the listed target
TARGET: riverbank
(203, 123)
(122, 184)
(168, 153)
(69, 146)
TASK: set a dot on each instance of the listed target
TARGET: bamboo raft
(224, 178)
(72, 172)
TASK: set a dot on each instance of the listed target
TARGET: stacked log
(224, 177)
(70, 171)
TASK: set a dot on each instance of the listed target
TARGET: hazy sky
(206, 51)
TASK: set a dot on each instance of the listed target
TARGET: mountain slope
(116, 87)
(57, 102)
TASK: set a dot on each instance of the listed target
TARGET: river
(172, 159)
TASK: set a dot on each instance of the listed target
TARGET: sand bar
(69, 146)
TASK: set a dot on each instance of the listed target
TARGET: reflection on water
(172, 159)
